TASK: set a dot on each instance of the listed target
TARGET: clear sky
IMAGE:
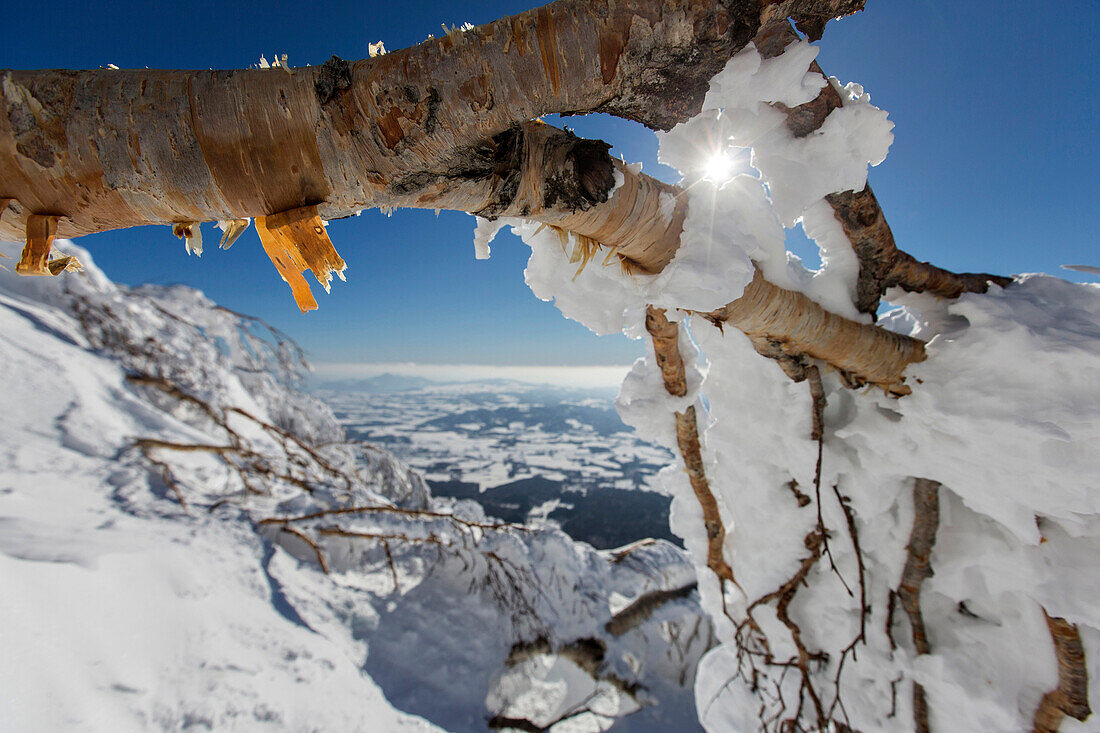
(994, 164)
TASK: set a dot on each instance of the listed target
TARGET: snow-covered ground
(279, 578)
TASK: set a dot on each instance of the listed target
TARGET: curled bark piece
(231, 229)
(191, 234)
(881, 264)
(296, 241)
(1071, 697)
(665, 335)
(68, 263)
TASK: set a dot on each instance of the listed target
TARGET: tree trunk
(108, 149)
(441, 125)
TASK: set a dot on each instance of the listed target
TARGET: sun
(718, 168)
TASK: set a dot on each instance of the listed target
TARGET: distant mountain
(380, 384)
(390, 383)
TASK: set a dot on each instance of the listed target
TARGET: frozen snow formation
(187, 542)
(991, 464)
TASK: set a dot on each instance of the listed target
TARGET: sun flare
(718, 168)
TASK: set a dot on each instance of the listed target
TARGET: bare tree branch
(881, 264)
(918, 568)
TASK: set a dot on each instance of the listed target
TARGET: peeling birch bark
(1071, 697)
(665, 336)
(41, 231)
(296, 241)
(231, 229)
(191, 233)
(35, 258)
(881, 264)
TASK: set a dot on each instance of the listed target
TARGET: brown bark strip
(296, 241)
(665, 337)
(41, 231)
(918, 568)
(1071, 697)
(34, 259)
(881, 264)
(687, 437)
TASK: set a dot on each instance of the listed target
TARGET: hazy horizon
(559, 375)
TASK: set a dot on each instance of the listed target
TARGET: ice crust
(1003, 414)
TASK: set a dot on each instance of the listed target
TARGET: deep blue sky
(994, 164)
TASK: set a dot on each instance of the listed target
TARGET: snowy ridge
(188, 542)
(1001, 425)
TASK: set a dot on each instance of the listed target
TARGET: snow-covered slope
(187, 543)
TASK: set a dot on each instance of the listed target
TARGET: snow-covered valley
(187, 542)
(525, 452)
